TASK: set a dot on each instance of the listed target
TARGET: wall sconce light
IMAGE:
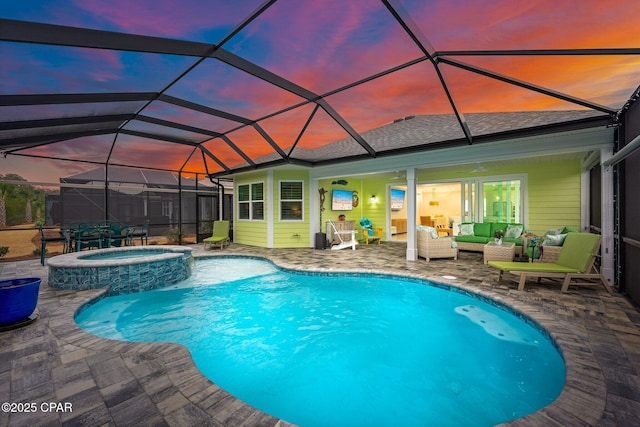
(372, 198)
(434, 203)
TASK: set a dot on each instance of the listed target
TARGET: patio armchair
(142, 232)
(45, 238)
(88, 237)
(118, 233)
(368, 233)
(220, 234)
(575, 261)
(431, 246)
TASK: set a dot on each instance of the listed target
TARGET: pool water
(344, 350)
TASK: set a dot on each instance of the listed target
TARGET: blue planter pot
(18, 299)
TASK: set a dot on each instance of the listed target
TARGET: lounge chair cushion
(575, 257)
(538, 267)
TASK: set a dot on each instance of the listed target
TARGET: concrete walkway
(93, 381)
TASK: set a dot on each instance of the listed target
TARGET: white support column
(269, 198)
(412, 244)
(606, 250)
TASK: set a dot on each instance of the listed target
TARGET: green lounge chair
(575, 261)
(220, 234)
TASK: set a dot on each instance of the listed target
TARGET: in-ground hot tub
(121, 270)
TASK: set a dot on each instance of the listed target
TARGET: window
(251, 201)
(291, 201)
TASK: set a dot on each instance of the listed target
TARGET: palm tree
(3, 209)
(27, 212)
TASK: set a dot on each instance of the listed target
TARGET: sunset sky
(320, 46)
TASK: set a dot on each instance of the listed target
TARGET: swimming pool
(360, 349)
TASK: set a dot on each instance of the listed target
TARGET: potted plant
(498, 234)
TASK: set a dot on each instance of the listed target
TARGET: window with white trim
(251, 201)
(291, 201)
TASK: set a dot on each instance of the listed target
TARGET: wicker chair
(435, 248)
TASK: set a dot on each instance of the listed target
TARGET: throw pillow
(466, 229)
(513, 231)
(553, 239)
(432, 231)
(554, 231)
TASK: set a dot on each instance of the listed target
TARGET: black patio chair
(44, 239)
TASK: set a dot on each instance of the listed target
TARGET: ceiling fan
(479, 168)
(397, 176)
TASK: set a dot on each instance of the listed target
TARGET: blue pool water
(344, 350)
(123, 254)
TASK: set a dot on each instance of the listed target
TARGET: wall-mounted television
(397, 198)
(342, 200)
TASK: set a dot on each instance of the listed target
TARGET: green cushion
(482, 229)
(578, 250)
(538, 267)
(518, 242)
(472, 239)
(569, 230)
(575, 257)
(214, 239)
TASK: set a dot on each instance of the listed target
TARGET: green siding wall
(286, 234)
(554, 200)
(554, 190)
(554, 197)
(365, 188)
(252, 233)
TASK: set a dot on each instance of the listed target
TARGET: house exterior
(552, 164)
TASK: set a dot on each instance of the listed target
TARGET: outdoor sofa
(474, 235)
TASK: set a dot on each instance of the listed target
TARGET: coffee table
(495, 252)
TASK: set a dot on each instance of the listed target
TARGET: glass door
(502, 201)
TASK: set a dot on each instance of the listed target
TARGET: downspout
(220, 196)
(180, 208)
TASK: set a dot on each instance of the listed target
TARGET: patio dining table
(102, 235)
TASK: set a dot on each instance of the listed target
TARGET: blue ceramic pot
(18, 299)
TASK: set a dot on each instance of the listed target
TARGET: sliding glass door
(502, 201)
(479, 199)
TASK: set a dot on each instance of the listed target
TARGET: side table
(494, 252)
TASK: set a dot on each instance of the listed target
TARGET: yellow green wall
(252, 233)
(554, 190)
(286, 234)
(365, 188)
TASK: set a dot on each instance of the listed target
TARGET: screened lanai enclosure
(187, 94)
